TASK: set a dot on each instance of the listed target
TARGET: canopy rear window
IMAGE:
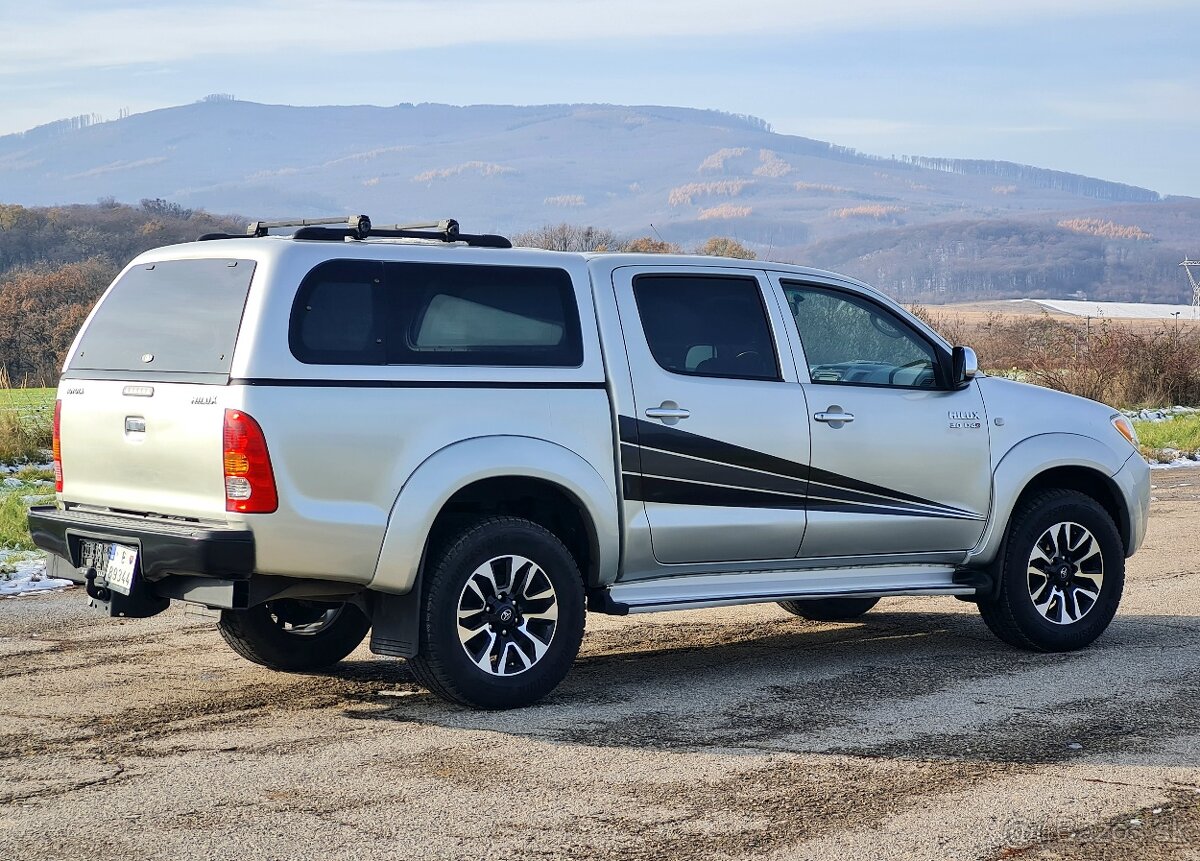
(175, 319)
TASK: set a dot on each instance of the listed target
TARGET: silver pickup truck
(461, 447)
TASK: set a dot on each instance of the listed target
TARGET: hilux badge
(964, 419)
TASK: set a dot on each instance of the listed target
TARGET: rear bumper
(164, 548)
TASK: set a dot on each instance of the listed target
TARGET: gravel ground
(728, 734)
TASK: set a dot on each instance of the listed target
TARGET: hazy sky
(1109, 88)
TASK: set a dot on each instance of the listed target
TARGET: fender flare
(427, 490)
(1025, 461)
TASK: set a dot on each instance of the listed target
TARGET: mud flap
(396, 623)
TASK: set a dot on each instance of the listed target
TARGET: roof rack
(359, 224)
(359, 227)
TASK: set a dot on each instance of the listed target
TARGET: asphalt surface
(728, 734)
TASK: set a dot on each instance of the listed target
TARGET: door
(901, 460)
(717, 446)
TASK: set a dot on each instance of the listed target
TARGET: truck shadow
(896, 684)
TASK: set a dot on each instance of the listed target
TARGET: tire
(830, 609)
(484, 658)
(293, 635)
(1071, 538)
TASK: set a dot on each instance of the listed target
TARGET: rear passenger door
(717, 445)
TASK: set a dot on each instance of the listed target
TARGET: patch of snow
(1165, 414)
(22, 572)
(1176, 463)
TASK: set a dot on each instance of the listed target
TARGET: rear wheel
(1062, 574)
(294, 635)
(503, 615)
(829, 609)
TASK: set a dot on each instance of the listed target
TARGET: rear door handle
(665, 412)
(833, 418)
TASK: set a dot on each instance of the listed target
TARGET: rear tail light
(56, 447)
(249, 479)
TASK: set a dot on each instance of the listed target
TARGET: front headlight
(1125, 428)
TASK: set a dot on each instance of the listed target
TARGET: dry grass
(482, 168)
(877, 211)
(724, 210)
(716, 162)
(1122, 364)
(820, 186)
(1106, 229)
(686, 194)
(772, 165)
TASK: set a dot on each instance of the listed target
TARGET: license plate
(114, 562)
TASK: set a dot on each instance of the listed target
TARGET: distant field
(978, 313)
(25, 423)
(26, 398)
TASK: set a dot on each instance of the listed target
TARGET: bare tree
(569, 237)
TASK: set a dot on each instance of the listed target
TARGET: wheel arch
(524, 476)
(1057, 460)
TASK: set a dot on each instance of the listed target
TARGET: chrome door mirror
(966, 366)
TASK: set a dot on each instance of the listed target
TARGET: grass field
(29, 485)
(1164, 441)
(27, 398)
(26, 419)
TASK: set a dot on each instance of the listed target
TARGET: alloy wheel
(1065, 573)
(507, 615)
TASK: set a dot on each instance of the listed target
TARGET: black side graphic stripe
(627, 429)
(651, 435)
(653, 488)
(685, 468)
(654, 462)
(852, 508)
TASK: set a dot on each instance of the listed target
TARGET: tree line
(56, 262)
(1001, 259)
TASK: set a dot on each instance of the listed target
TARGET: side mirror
(965, 366)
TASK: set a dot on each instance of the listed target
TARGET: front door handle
(668, 411)
(834, 418)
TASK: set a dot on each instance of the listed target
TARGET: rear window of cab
(356, 312)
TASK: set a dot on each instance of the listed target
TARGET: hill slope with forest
(923, 228)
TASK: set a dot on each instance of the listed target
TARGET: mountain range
(924, 228)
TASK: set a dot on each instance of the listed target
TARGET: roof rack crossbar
(443, 226)
(333, 234)
(360, 224)
(360, 227)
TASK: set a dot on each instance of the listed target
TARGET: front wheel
(294, 635)
(1061, 577)
(503, 615)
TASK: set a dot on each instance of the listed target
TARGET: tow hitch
(140, 603)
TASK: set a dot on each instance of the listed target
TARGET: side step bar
(688, 592)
